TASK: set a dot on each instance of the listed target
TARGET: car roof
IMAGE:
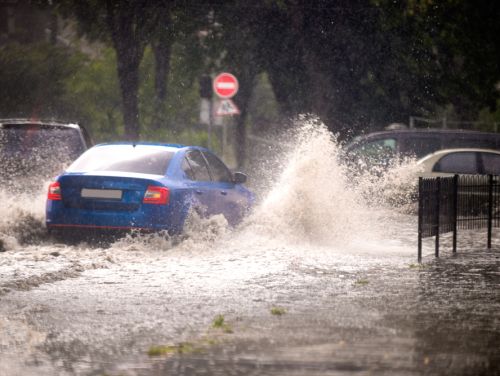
(29, 122)
(427, 130)
(421, 131)
(143, 143)
(457, 150)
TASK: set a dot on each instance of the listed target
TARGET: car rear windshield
(43, 140)
(144, 159)
(34, 149)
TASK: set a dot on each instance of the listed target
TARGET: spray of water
(22, 219)
(393, 187)
(312, 199)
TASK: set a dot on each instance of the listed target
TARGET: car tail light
(54, 191)
(156, 195)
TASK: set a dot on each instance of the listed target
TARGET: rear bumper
(52, 226)
(147, 218)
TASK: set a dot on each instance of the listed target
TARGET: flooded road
(313, 283)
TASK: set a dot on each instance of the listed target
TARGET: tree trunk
(127, 35)
(128, 74)
(161, 50)
(242, 99)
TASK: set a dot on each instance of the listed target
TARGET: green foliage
(263, 112)
(417, 266)
(490, 120)
(182, 348)
(33, 77)
(94, 97)
(181, 108)
(220, 323)
(358, 64)
(361, 282)
(278, 311)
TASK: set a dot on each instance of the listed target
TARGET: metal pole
(455, 212)
(490, 209)
(420, 214)
(210, 122)
(224, 140)
(412, 122)
(438, 197)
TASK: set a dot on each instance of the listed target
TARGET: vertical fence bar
(420, 214)
(438, 199)
(490, 208)
(455, 212)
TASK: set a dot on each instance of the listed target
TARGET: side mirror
(239, 178)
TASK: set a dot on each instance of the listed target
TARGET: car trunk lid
(104, 192)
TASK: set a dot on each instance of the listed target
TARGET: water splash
(22, 219)
(393, 187)
(312, 200)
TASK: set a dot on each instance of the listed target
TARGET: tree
(234, 47)
(33, 79)
(360, 64)
(129, 25)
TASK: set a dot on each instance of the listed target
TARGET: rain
(321, 275)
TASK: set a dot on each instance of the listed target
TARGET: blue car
(144, 186)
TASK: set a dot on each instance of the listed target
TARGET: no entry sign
(225, 85)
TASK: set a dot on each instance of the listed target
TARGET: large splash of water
(312, 198)
(21, 218)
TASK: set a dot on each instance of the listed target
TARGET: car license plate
(111, 194)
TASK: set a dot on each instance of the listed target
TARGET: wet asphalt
(241, 307)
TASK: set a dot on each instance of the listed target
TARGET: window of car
(491, 163)
(198, 166)
(458, 163)
(27, 139)
(218, 169)
(418, 146)
(145, 159)
(377, 149)
(37, 149)
(186, 167)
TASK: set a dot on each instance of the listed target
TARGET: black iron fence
(458, 202)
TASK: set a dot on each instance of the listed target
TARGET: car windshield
(144, 159)
(37, 150)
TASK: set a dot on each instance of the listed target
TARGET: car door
(199, 181)
(490, 163)
(227, 197)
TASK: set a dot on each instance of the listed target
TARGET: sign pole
(225, 86)
(210, 123)
(224, 139)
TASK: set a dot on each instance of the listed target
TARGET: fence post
(455, 212)
(490, 208)
(438, 199)
(420, 209)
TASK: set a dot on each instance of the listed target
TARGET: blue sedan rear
(146, 187)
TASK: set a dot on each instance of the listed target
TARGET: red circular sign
(226, 85)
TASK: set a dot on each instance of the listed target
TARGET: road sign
(225, 85)
(227, 107)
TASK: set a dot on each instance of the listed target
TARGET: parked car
(469, 164)
(144, 186)
(449, 162)
(380, 148)
(32, 152)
